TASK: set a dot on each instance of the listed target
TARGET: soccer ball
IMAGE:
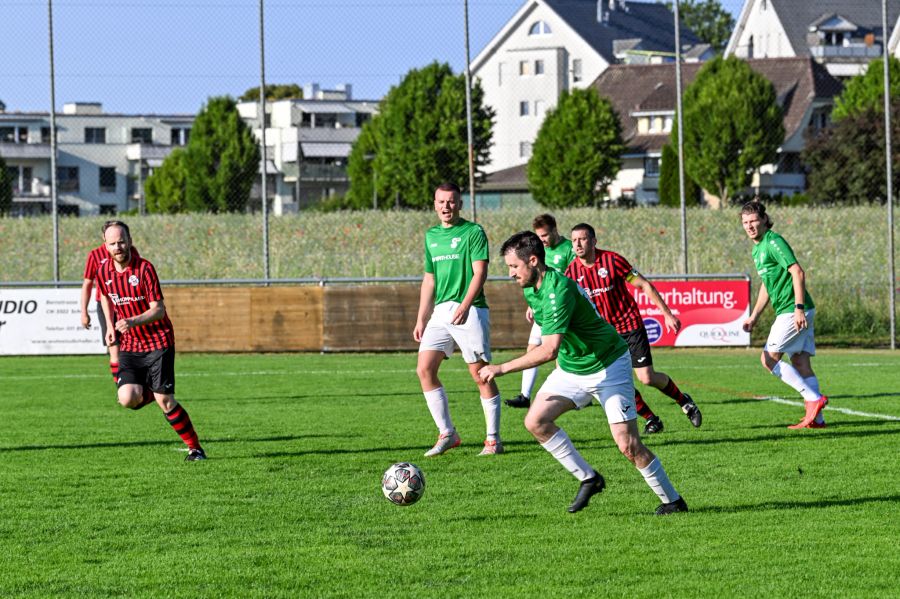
(403, 483)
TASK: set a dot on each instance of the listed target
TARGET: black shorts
(154, 369)
(639, 347)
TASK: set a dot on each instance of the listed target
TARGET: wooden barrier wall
(375, 317)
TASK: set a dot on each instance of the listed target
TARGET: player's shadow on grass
(805, 435)
(465, 448)
(793, 505)
(115, 444)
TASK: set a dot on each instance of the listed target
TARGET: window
(834, 38)
(67, 178)
(523, 108)
(13, 172)
(94, 135)
(576, 70)
(45, 135)
(107, 179)
(525, 149)
(643, 124)
(539, 108)
(8, 134)
(539, 28)
(108, 209)
(651, 166)
(501, 71)
(524, 67)
(141, 135)
(180, 136)
(538, 67)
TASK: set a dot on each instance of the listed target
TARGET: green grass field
(97, 501)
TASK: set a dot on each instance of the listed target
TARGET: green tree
(222, 159)
(165, 188)
(278, 91)
(846, 161)
(6, 189)
(669, 192)
(732, 126)
(418, 139)
(866, 92)
(577, 152)
(708, 20)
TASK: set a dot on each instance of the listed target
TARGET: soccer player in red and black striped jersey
(96, 258)
(133, 303)
(603, 275)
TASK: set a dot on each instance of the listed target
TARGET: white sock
(813, 383)
(440, 409)
(491, 407)
(561, 448)
(529, 376)
(658, 481)
(790, 376)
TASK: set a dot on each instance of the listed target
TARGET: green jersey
(559, 256)
(449, 254)
(589, 343)
(772, 257)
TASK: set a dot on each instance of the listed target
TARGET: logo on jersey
(654, 330)
(602, 273)
(109, 282)
(556, 259)
(133, 280)
(455, 242)
(434, 245)
(580, 279)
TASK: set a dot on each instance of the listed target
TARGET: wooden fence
(375, 317)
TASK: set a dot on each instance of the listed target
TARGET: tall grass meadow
(843, 250)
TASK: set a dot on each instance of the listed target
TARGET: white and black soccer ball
(403, 483)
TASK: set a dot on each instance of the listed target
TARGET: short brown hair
(448, 186)
(758, 208)
(544, 221)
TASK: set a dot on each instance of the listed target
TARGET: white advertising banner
(46, 322)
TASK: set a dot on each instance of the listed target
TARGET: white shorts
(473, 337)
(613, 387)
(534, 337)
(784, 337)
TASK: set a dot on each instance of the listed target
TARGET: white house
(309, 141)
(844, 36)
(550, 46)
(102, 158)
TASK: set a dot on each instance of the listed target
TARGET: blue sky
(166, 56)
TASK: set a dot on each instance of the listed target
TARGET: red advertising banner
(711, 312)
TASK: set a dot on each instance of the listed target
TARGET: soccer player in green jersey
(558, 254)
(452, 308)
(784, 283)
(592, 363)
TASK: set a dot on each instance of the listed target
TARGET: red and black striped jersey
(96, 258)
(604, 281)
(130, 293)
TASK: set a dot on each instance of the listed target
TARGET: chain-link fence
(158, 105)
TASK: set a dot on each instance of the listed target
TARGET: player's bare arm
(762, 300)
(479, 276)
(86, 286)
(529, 315)
(426, 305)
(673, 323)
(108, 314)
(799, 279)
(156, 312)
(543, 353)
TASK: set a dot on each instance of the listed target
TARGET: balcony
(783, 182)
(851, 51)
(17, 151)
(37, 189)
(322, 172)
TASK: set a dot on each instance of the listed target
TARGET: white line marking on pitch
(789, 402)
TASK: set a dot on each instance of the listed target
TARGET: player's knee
(644, 376)
(127, 399)
(767, 361)
(425, 372)
(534, 424)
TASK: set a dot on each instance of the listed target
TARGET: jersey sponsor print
(130, 293)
